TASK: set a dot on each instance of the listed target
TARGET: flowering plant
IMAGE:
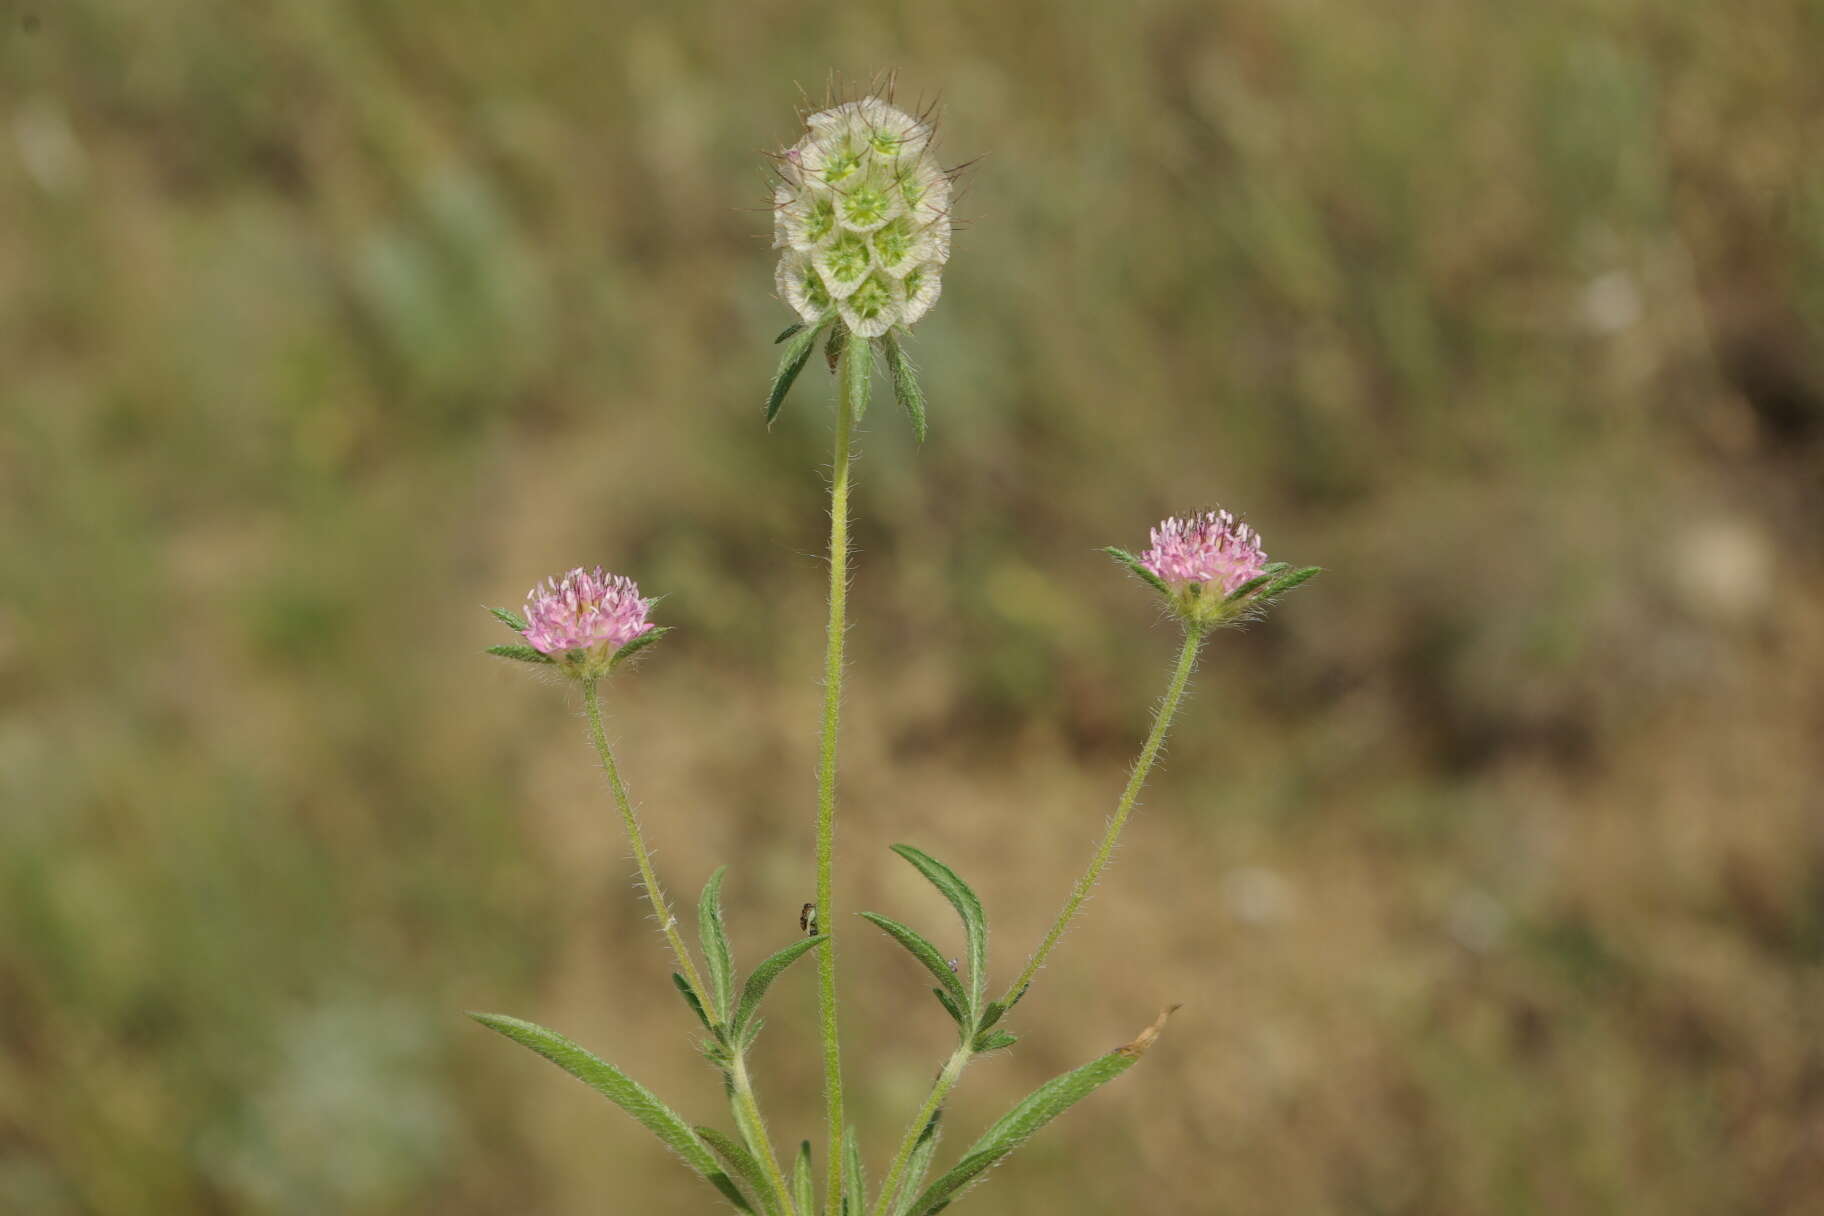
(863, 219)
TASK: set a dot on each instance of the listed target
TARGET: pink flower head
(588, 610)
(1212, 548)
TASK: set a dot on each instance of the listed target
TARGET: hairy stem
(1162, 721)
(826, 784)
(946, 1080)
(753, 1127)
(654, 893)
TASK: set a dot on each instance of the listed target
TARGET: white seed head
(862, 213)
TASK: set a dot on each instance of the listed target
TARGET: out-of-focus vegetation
(1491, 869)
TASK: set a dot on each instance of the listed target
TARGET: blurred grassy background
(1491, 869)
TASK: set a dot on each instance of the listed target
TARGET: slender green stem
(946, 1080)
(654, 893)
(747, 1116)
(1162, 721)
(826, 786)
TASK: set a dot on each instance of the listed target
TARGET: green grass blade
(1040, 1107)
(763, 978)
(921, 950)
(975, 921)
(714, 935)
(624, 1092)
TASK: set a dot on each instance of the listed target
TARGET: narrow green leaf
(524, 654)
(921, 950)
(953, 1007)
(975, 921)
(803, 1194)
(765, 974)
(624, 1092)
(744, 1041)
(918, 1164)
(854, 1177)
(714, 935)
(994, 1040)
(788, 331)
(905, 384)
(638, 644)
(993, 1012)
(690, 998)
(1139, 571)
(857, 373)
(1249, 588)
(746, 1166)
(1286, 582)
(1276, 567)
(509, 619)
(1039, 1108)
(791, 362)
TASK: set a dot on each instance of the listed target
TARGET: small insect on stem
(807, 920)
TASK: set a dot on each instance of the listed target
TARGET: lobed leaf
(1039, 1108)
(975, 921)
(921, 950)
(714, 935)
(791, 362)
(523, 654)
(624, 1092)
(763, 978)
(905, 384)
